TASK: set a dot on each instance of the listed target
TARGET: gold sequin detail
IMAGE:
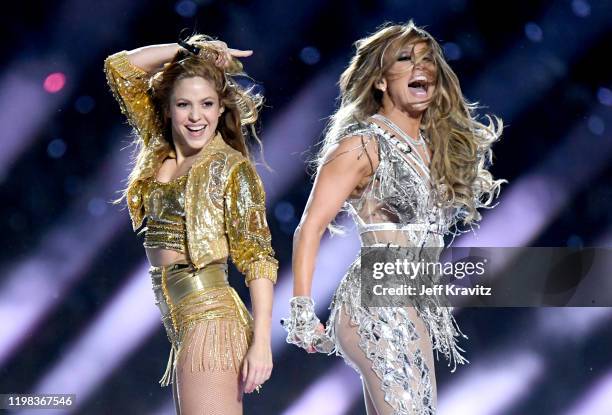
(247, 228)
(201, 310)
(165, 211)
(224, 200)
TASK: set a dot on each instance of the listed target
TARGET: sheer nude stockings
(207, 392)
(347, 337)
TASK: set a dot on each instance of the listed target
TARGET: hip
(189, 295)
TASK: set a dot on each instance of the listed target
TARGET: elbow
(308, 230)
(297, 234)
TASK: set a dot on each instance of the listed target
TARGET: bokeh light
(310, 55)
(596, 125)
(534, 32)
(186, 8)
(575, 241)
(54, 82)
(56, 148)
(96, 207)
(581, 8)
(284, 211)
(84, 104)
(604, 95)
(452, 51)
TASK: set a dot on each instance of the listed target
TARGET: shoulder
(355, 133)
(221, 159)
(356, 148)
(360, 128)
(243, 171)
(364, 134)
(243, 183)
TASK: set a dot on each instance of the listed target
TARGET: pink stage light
(54, 82)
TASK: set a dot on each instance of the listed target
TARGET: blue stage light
(56, 148)
(310, 55)
(534, 32)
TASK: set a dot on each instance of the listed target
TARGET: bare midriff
(161, 257)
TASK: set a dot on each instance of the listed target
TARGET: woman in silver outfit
(405, 156)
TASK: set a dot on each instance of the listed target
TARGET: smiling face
(410, 81)
(194, 110)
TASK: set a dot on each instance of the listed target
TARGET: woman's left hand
(226, 54)
(257, 365)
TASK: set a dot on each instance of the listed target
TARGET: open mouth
(195, 130)
(419, 87)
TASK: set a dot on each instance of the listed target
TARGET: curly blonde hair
(461, 144)
(237, 122)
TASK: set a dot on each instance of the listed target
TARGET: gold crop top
(164, 205)
(224, 199)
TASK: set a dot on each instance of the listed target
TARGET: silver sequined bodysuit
(396, 208)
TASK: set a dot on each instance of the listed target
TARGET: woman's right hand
(304, 328)
(320, 330)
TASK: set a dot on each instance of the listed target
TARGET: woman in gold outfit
(202, 200)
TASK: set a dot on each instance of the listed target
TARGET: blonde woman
(405, 156)
(202, 200)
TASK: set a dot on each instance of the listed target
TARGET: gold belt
(173, 283)
(178, 280)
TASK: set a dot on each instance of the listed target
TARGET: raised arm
(128, 75)
(152, 58)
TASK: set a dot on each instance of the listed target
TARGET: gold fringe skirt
(202, 312)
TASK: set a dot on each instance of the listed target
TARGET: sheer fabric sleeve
(129, 85)
(246, 225)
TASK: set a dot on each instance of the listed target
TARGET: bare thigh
(208, 391)
(348, 339)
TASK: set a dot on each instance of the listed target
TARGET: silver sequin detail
(301, 326)
(397, 209)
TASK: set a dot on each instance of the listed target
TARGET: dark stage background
(77, 313)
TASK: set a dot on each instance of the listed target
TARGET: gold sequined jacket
(224, 197)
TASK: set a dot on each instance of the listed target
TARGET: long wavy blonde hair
(461, 144)
(237, 122)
